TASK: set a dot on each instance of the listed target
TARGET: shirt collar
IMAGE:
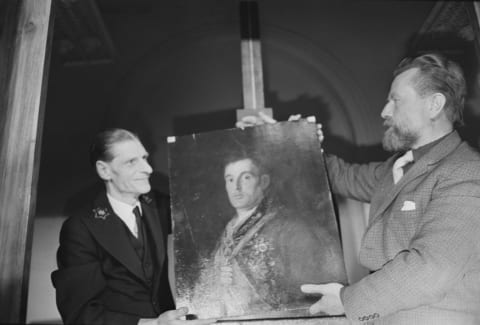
(122, 209)
(421, 151)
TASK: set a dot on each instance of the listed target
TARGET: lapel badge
(100, 213)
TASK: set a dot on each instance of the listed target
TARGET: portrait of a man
(252, 228)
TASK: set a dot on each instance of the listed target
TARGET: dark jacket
(100, 277)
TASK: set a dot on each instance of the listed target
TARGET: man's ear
(437, 103)
(264, 181)
(103, 170)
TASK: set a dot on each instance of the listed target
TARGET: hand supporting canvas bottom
(330, 302)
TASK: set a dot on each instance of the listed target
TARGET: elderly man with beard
(421, 241)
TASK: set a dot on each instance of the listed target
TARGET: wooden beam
(25, 52)
(252, 70)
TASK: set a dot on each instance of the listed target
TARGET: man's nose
(238, 184)
(145, 167)
(387, 110)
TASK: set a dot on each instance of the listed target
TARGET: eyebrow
(133, 157)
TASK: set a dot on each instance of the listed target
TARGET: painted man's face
(244, 184)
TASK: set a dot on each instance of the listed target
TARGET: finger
(332, 288)
(248, 121)
(267, 119)
(251, 120)
(295, 117)
(311, 119)
(240, 125)
(312, 288)
(317, 307)
(320, 135)
(177, 313)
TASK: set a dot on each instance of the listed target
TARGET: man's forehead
(404, 82)
(128, 148)
(240, 165)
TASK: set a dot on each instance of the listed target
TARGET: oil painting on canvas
(253, 219)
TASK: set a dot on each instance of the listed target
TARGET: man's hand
(262, 118)
(330, 303)
(175, 317)
(253, 120)
(320, 133)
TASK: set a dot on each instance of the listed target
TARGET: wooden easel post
(252, 72)
(24, 61)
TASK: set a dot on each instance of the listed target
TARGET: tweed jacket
(421, 243)
(100, 278)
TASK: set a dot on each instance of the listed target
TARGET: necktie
(397, 169)
(138, 219)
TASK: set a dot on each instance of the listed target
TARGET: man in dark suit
(421, 243)
(112, 263)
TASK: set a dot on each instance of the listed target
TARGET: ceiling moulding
(81, 37)
(448, 27)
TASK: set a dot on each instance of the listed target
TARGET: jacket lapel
(158, 250)
(151, 217)
(109, 230)
(420, 167)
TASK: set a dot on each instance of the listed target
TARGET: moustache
(388, 124)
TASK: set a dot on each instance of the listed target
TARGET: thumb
(317, 307)
(177, 313)
(267, 119)
(312, 288)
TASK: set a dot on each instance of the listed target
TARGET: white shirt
(125, 212)
(242, 216)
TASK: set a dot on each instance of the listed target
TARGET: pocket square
(408, 206)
